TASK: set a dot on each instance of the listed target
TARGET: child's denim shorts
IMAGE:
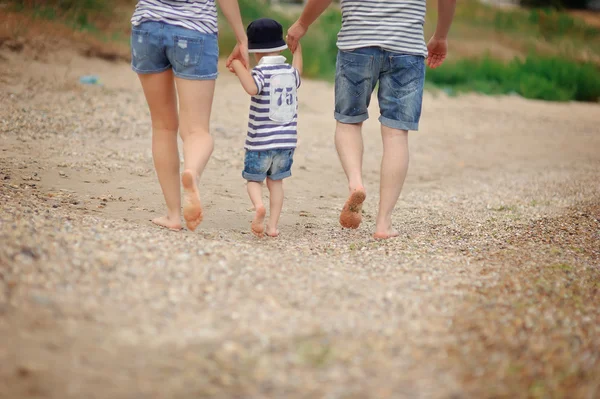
(401, 78)
(156, 47)
(274, 164)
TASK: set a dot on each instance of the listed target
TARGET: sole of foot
(192, 209)
(258, 223)
(351, 216)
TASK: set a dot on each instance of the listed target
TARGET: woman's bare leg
(159, 90)
(195, 103)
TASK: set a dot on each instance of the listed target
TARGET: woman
(175, 52)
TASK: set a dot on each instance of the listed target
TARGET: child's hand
(235, 64)
(298, 48)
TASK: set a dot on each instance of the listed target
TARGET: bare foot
(165, 222)
(272, 232)
(258, 223)
(192, 209)
(351, 216)
(385, 235)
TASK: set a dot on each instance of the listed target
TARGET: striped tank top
(198, 15)
(394, 25)
(273, 120)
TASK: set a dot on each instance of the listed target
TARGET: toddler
(272, 125)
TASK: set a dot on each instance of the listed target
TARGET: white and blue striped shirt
(198, 15)
(273, 119)
(394, 25)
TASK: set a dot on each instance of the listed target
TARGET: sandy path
(97, 302)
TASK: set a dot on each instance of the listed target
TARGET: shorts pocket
(355, 72)
(140, 43)
(188, 50)
(407, 72)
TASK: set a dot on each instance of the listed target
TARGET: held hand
(236, 64)
(438, 49)
(240, 52)
(298, 48)
(294, 34)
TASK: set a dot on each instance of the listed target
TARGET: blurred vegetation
(536, 77)
(536, 23)
(575, 4)
(540, 53)
(78, 14)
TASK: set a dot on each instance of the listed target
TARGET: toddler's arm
(245, 77)
(297, 59)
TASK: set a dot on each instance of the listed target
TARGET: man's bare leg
(349, 145)
(394, 166)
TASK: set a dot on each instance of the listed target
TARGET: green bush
(536, 77)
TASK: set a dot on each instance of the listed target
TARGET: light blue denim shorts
(401, 78)
(156, 47)
(274, 164)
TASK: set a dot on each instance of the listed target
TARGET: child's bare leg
(159, 90)
(255, 193)
(195, 102)
(276, 204)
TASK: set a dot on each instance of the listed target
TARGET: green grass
(535, 77)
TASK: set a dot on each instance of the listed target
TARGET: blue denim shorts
(156, 47)
(400, 76)
(274, 164)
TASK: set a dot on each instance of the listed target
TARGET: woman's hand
(231, 10)
(240, 52)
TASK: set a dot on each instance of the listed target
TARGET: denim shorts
(274, 164)
(400, 76)
(156, 47)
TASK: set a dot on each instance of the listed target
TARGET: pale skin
(275, 187)
(163, 91)
(348, 137)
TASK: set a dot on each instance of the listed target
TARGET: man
(380, 41)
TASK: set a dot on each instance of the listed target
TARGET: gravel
(97, 302)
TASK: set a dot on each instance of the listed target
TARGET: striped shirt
(273, 119)
(198, 15)
(394, 25)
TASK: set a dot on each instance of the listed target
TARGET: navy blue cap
(265, 35)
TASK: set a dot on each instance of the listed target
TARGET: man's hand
(294, 34)
(437, 48)
(240, 52)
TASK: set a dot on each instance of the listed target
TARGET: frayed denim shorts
(157, 47)
(274, 164)
(400, 76)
